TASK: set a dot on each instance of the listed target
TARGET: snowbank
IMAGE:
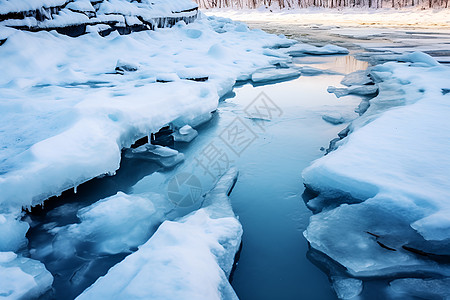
(411, 17)
(190, 258)
(393, 171)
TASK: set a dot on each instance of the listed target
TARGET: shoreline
(349, 17)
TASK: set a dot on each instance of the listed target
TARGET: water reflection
(341, 64)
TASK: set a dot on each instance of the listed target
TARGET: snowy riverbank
(383, 193)
(351, 17)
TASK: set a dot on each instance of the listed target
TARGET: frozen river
(270, 133)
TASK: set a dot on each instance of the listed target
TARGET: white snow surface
(407, 17)
(190, 258)
(396, 161)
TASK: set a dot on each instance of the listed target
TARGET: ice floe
(195, 254)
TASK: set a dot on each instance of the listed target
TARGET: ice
(310, 71)
(354, 90)
(185, 134)
(272, 74)
(393, 171)
(7, 6)
(22, 278)
(346, 288)
(334, 118)
(423, 288)
(54, 14)
(357, 78)
(113, 225)
(194, 254)
(123, 66)
(164, 156)
(67, 125)
(302, 49)
(12, 233)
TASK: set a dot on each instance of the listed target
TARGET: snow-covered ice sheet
(393, 170)
(68, 124)
(70, 105)
(190, 258)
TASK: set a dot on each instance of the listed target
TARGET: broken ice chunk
(194, 254)
(360, 77)
(112, 225)
(122, 67)
(346, 288)
(333, 118)
(22, 278)
(302, 49)
(185, 134)
(12, 233)
(164, 156)
(354, 90)
(273, 74)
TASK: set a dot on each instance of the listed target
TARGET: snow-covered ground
(351, 17)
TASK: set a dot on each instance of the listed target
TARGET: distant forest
(322, 3)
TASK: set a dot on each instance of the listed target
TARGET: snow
(71, 105)
(393, 170)
(22, 278)
(78, 116)
(333, 18)
(7, 6)
(190, 258)
(51, 14)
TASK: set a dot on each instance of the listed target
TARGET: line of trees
(322, 3)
